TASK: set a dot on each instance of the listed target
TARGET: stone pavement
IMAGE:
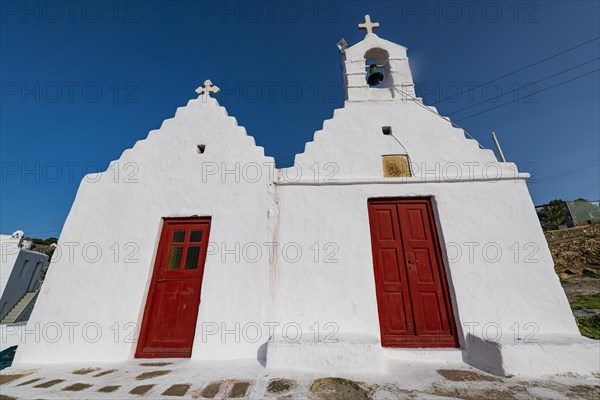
(187, 379)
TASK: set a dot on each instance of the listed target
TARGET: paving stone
(84, 371)
(459, 375)
(151, 374)
(393, 391)
(108, 371)
(569, 391)
(108, 389)
(155, 364)
(49, 383)
(4, 379)
(477, 394)
(177, 390)
(585, 391)
(141, 390)
(544, 393)
(239, 389)
(280, 386)
(338, 389)
(29, 382)
(77, 387)
(211, 390)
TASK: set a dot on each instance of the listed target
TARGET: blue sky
(82, 81)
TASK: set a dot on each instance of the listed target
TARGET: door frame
(439, 255)
(159, 253)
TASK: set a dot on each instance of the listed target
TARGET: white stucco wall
(161, 176)
(486, 286)
(11, 334)
(499, 268)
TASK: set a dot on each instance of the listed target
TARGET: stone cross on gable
(368, 25)
(208, 88)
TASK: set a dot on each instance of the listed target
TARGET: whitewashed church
(393, 237)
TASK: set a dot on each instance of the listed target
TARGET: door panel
(412, 292)
(393, 280)
(173, 301)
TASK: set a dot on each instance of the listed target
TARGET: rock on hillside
(576, 251)
(576, 254)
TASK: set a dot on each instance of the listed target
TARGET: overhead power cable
(539, 91)
(518, 70)
(531, 83)
(581, 169)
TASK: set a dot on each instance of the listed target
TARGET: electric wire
(581, 170)
(539, 91)
(531, 83)
(518, 70)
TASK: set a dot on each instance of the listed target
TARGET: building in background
(560, 214)
(21, 273)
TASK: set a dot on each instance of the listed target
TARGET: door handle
(411, 264)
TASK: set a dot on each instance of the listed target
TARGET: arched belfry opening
(377, 66)
(376, 69)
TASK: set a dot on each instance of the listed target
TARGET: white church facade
(393, 237)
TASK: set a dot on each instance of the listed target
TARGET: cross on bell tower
(368, 25)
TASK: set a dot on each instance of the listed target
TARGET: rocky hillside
(576, 254)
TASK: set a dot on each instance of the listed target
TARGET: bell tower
(377, 69)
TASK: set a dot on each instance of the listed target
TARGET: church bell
(375, 77)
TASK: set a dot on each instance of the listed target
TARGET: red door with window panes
(171, 311)
(412, 292)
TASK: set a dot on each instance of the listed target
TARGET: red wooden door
(171, 312)
(412, 291)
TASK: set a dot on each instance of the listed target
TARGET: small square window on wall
(395, 166)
